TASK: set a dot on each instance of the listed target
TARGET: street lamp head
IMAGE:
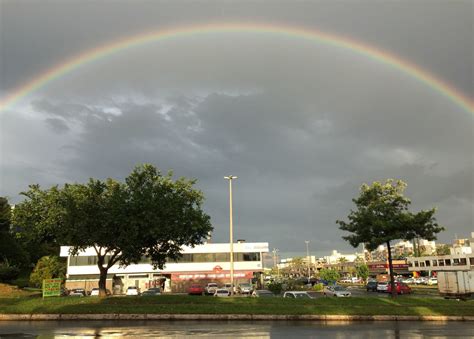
(230, 177)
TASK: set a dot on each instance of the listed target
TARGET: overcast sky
(301, 124)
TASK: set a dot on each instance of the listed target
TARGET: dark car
(371, 286)
(152, 291)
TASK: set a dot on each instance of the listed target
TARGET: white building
(335, 257)
(199, 264)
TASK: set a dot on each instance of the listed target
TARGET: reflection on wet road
(235, 329)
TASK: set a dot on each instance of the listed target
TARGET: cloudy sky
(302, 124)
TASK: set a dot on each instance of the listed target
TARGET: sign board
(51, 287)
(208, 275)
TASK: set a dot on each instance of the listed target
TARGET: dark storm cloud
(303, 125)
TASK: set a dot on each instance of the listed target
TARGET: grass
(181, 304)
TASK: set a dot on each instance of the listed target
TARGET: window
(422, 264)
(441, 262)
(447, 262)
(435, 262)
(222, 257)
(471, 261)
(416, 264)
(455, 262)
(462, 261)
(427, 263)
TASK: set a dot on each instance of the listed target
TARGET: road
(236, 329)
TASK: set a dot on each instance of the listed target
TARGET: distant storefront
(200, 264)
(381, 267)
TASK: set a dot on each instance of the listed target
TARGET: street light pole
(307, 258)
(231, 240)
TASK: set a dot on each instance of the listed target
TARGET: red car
(195, 290)
(401, 288)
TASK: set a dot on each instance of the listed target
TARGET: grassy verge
(174, 304)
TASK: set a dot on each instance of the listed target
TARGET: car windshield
(302, 295)
(244, 285)
(212, 285)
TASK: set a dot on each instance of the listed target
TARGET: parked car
(229, 286)
(408, 281)
(245, 289)
(432, 281)
(346, 280)
(421, 280)
(95, 292)
(133, 290)
(371, 286)
(400, 287)
(151, 291)
(222, 292)
(77, 292)
(336, 291)
(382, 286)
(211, 288)
(262, 294)
(195, 289)
(297, 295)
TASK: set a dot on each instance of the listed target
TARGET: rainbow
(357, 47)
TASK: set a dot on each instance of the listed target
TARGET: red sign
(209, 275)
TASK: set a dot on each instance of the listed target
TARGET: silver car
(336, 291)
(297, 295)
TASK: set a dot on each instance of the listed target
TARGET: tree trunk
(102, 283)
(103, 276)
(390, 267)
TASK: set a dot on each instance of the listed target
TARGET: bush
(318, 287)
(275, 287)
(8, 273)
(47, 267)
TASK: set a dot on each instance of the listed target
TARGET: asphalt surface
(235, 329)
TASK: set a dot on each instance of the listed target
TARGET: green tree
(382, 215)
(11, 251)
(443, 249)
(329, 275)
(362, 271)
(47, 267)
(149, 215)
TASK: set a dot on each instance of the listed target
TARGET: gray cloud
(303, 125)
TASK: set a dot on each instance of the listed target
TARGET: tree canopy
(382, 215)
(149, 215)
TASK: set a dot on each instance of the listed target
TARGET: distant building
(337, 257)
(199, 264)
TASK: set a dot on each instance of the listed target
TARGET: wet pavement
(235, 329)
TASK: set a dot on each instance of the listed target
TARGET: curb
(121, 316)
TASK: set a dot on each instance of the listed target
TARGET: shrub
(47, 267)
(318, 287)
(275, 286)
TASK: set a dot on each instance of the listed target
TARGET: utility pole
(231, 236)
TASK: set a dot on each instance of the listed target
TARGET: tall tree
(11, 251)
(150, 215)
(382, 216)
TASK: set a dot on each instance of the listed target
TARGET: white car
(132, 290)
(382, 286)
(245, 289)
(222, 292)
(432, 281)
(297, 295)
(336, 291)
(211, 288)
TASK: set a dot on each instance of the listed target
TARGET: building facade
(200, 264)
